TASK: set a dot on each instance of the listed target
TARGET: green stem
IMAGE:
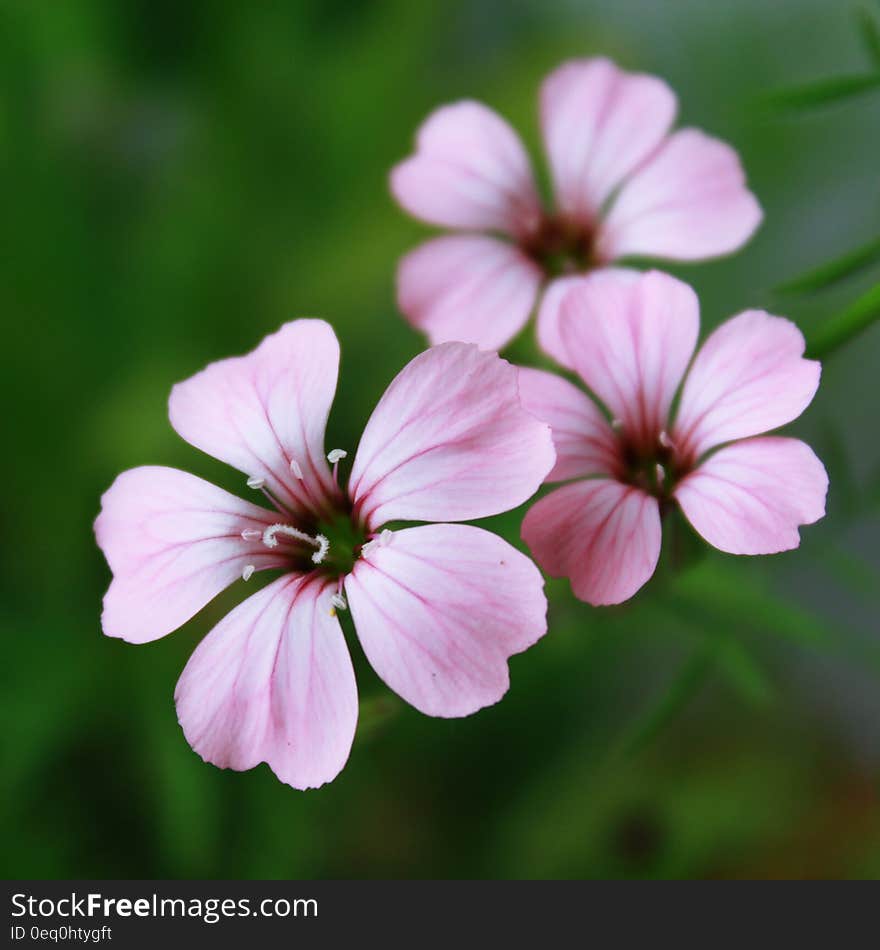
(870, 30)
(858, 316)
(822, 92)
(683, 688)
(834, 270)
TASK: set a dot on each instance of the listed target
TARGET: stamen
(617, 424)
(664, 439)
(381, 541)
(339, 602)
(251, 534)
(336, 455)
(660, 472)
(319, 541)
(296, 469)
(248, 571)
(258, 483)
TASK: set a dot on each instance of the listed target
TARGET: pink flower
(438, 608)
(624, 187)
(631, 345)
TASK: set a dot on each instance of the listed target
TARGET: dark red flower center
(561, 245)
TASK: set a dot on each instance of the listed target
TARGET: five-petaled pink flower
(438, 608)
(631, 343)
(624, 188)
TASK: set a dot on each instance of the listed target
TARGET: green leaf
(743, 673)
(870, 30)
(822, 92)
(834, 270)
(375, 713)
(683, 688)
(852, 321)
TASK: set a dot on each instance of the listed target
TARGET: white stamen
(381, 541)
(251, 534)
(338, 602)
(248, 571)
(661, 473)
(255, 482)
(336, 455)
(664, 439)
(617, 424)
(318, 541)
(296, 469)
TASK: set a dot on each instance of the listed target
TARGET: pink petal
(584, 441)
(750, 497)
(630, 343)
(549, 335)
(469, 171)
(468, 288)
(266, 411)
(688, 202)
(273, 682)
(748, 377)
(439, 610)
(602, 535)
(449, 441)
(173, 543)
(599, 123)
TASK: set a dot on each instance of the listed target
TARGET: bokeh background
(181, 178)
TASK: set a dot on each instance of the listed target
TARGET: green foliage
(845, 326)
(822, 92)
(833, 271)
(179, 179)
(869, 27)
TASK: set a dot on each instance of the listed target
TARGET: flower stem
(834, 270)
(684, 687)
(858, 316)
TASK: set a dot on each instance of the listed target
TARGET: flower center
(329, 542)
(654, 468)
(561, 245)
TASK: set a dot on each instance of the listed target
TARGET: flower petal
(549, 335)
(584, 441)
(688, 202)
(439, 610)
(267, 410)
(469, 288)
(173, 542)
(602, 535)
(749, 377)
(630, 343)
(449, 441)
(599, 123)
(469, 170)
(273, 682)
(750, 497)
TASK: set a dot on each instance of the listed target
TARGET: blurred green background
(181, 178)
